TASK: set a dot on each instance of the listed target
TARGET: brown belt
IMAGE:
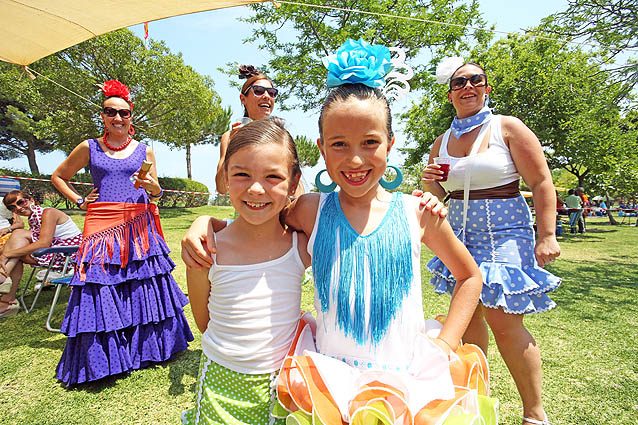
(506, 191)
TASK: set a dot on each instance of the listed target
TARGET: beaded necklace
(123, 146)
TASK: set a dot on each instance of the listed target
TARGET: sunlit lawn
(590, 357)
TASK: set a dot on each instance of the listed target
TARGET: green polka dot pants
(232, 398)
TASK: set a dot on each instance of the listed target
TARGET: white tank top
(253, 312)
(491, 168)
(66, 230)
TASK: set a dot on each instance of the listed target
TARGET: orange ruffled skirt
(306, 395)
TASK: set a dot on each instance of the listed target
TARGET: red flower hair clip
(115, 88)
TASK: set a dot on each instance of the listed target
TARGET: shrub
(46, 194)
(188, 200)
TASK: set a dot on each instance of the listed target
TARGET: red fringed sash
(108, 222)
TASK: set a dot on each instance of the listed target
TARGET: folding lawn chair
(67, 252)
(7, 185)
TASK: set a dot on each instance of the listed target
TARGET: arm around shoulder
(301, 214)
(198, 292)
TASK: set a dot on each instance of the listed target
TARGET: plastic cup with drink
(444, 165)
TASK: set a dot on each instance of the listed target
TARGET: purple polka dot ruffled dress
(124, 312)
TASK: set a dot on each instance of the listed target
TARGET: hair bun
(247, 71)
(115, 88)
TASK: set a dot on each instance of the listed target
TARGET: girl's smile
(356, 178)
(355, 145)
(259, 179)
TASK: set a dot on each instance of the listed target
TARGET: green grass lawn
(590, 357)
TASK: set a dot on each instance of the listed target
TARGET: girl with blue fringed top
(125, 311)
(489, 154)
(370, 357)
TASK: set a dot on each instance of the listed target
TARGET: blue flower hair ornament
(364, 63)
(358, 62)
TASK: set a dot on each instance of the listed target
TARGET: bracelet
(446, 343)
(159, 195)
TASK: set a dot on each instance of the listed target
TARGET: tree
(307, 151)
(19, 134)
(172, 103)
(296, 60)
(613, 24)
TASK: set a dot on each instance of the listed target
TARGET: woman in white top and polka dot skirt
(488, 154)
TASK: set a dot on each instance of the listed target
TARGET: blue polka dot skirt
(500, 237)
(228, 397)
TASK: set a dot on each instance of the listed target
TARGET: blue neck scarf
(461, 126)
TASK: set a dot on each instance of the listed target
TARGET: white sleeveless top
(396, 349)
(491, 168)
(253, 312)
(66, 230)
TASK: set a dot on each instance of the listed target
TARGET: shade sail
(33, 29)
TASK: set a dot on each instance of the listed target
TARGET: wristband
(159, 195)
(80, 202)
(446, 343)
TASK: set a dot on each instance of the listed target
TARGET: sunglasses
(477, 80)
(19, 203)
(260, 90)
(111, 112)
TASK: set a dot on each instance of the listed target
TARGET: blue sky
(209, 40)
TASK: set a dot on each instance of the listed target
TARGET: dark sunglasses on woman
(111, 112)
(260, 90)
(19, 203)
(477, 80)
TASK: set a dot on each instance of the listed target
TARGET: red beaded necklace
(123, 146)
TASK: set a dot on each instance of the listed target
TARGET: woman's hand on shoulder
(429, 202)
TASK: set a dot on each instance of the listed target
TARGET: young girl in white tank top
(247, 305)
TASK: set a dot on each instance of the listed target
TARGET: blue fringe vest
(387, 254)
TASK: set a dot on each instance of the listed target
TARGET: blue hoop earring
(322, 187)
(394, 183)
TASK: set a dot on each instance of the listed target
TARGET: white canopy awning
(33, 29)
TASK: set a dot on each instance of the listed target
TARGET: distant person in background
(560, 206)
(257, 96)
(48, 227)
(9, 221)
(580, 191)
(574, 204)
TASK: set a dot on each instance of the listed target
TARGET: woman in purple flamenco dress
(125, 311)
